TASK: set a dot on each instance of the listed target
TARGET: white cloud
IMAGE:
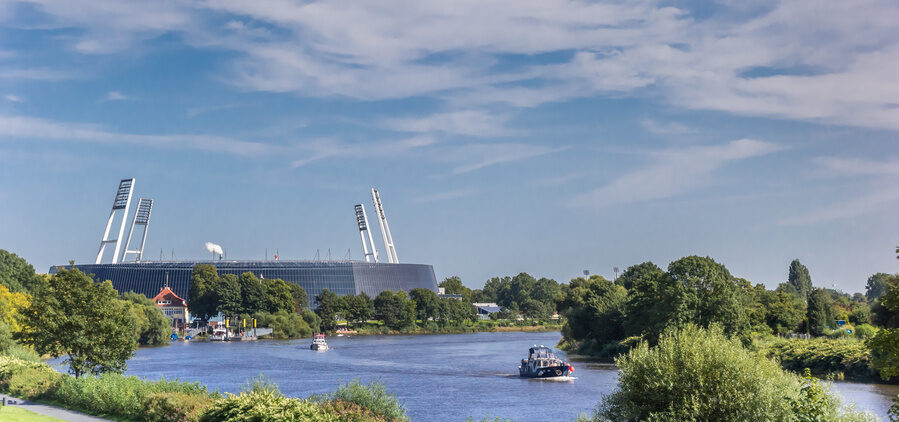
(469, 122)
(43, 129)
(14, 98)
(666, 128)
(477, 156)
(859, 166)
(37, 74)
(116, 96)
(673, 172)
(848, 208)
(827, 61)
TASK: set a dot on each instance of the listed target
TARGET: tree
(782, 311)
(201, 296)
(84, 320)
(703, 292)
(819, 312)
(11, 304)
(454, 312)
(327, 307)
(278, 296)
(228, 295)
(594, 309)
(15, 272)
(253, 298)
(876, 286)
(394, 309)
(427, 303)
(154, 328)
(493, 287)
(300, 298)
(800, 279)
(637, 273)
(453, 285)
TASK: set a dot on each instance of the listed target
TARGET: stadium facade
(340, 277)
(370, 276)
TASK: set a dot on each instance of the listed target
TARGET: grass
(17, 414)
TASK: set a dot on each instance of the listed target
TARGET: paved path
(56, 412)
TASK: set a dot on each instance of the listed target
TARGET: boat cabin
(541, 352)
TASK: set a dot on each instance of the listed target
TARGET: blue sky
(505, 136)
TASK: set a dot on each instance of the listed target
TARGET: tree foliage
(595, 310)
(877, 286)
(327, 307)
(820, 312)
(799, 278)
(16, 273)
(84, 320)
(153, 328)
(395, 309)
(427, 303)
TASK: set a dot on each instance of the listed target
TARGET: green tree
(820, 311)
(427, 303)
(453, 285)
(253, 295)
(454, 312)
(15, 272)
(201, 296)
(638, 273)
(800, 279)
(327, 306)
(300, 298)
(782, 311)
(278, 296)
(493, 287)
(885, 345)
(83, 320)
(876, 286)
(155, 328)
(227, 296)
(703, 292)
(594, 309)
(395, 309)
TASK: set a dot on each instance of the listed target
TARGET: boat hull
(319, 347)
(545, 372)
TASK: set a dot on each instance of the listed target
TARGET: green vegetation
(17, 414)
(704, 375)
(133, 399)
(83, 320)
(823, 357)
(246, 294)
(153, 328)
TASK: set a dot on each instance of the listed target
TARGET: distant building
(485, 309)
(172, 306)
(441, 293)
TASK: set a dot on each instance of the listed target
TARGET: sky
(505, 136)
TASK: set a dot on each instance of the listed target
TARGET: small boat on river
(543, 363)
(318, 343)
(220, 334)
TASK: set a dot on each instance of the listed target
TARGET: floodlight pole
(122, 201)
(362, 222)
(385, 229)
(141, 218)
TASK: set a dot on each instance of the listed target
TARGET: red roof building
(172, 306)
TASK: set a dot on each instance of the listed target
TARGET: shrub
(865, 331)
(263, 402)
(373, 397)
(32, 382)
(823, 356)
(175, 407)
(114, 394)
(9, 366)
(697, 374)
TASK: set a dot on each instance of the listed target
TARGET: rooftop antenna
(385, 229)
(266, 254)
(161, 255)
(173, 254)
(362, 222)
(329, 254)
(122, 201)
(616, 272)
(317, 256)
(348, 257)
(141, 218)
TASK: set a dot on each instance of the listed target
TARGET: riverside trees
(232, 295)
(83, 320)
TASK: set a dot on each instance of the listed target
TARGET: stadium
(344, 277)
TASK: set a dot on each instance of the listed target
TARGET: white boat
(543, 363)
(319, 343)
(219, 334)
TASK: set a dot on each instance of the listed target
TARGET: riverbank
(482, 326)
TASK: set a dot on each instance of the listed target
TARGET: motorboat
(318, 343)
(219, 333)
(543, 363)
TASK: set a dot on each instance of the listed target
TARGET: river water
(437, 377)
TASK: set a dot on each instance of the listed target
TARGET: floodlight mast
(385, 229)
(122, 201)
(141, 218)
(362, 222)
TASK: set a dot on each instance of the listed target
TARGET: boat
(543, 363)
(219, 334)
(319, 343)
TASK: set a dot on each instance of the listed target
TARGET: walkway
(46, 410)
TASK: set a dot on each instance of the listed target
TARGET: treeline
(395, 309)
(521, 295)
(273, 303)
(69, 314)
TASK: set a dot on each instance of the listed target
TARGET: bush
(175, 407)
(30, 382)
(373, 397)
(697, 374)
(823, 356)
(284, 325)
(114, 394)
(261, 401)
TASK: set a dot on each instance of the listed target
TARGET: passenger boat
(319, 343)
(543, 363)
(219, 334)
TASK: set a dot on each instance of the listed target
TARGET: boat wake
(556, 379)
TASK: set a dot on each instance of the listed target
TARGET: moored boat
(543, 363)
(319, 343)
(219, 334)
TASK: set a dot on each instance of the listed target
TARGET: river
(437, 377)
